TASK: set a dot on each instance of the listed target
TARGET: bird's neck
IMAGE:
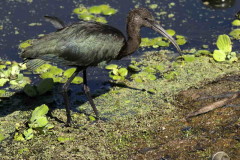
(133, 41)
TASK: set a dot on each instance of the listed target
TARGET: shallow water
(201, 24)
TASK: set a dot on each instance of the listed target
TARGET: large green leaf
(39, 112)
(224, 43)
(219, 55)
(45, 85)
(39, 122)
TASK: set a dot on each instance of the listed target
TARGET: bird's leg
(88, 94)
(65, 95)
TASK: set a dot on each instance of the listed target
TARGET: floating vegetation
(181, 40)
(1, 137)
(38, 123)
(236, 22)
(44, 86)
(10, 74)
(94, 13)
(203, 53)
(235, 34)
(162, 41)
(189, 58)
(153, 6)
(224, 51)
(25, 44)
(57, 74)
(117, 73)
(143, 76)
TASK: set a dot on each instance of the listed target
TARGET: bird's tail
(33, 64)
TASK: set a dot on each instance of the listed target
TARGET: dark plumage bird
(85, 44)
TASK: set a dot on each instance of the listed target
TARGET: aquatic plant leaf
(25, 44)
(104, 6)
(133, 68)
(111, 66)
(101, 20)
(45, 85)
(235, 33)
(202, 52)
(28, 134)
(3, 81)
(115, 71)
(171, 32)
(43, 68)
(68, 73)
(54, 70)
(95, 10)
(138, 80)
(18, 137)
(30, 90)
(39, 122)
(224, 43)
(91, 118)
(2, 66)
(189, 58)
(86, 16)
(153, 6)
(151, 77)
(109, 11)
(77, 80)
(181, 41)
(219, 55)
(39, 112)
(80, 10)
(236, 22)
(163, 44)
(123, 72)
(115, 77)
(2, 92)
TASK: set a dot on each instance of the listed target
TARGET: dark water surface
(200, 23)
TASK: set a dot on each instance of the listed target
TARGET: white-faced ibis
(85, 44)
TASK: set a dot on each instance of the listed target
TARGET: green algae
(136, 117)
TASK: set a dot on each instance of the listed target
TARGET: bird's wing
(81, 44)
(56, 22)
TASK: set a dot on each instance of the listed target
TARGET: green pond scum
(143, 119)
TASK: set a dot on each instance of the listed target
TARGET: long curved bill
(156, 27)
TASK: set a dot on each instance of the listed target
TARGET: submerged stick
(213, 106)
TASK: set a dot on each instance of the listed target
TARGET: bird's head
(144, 18)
